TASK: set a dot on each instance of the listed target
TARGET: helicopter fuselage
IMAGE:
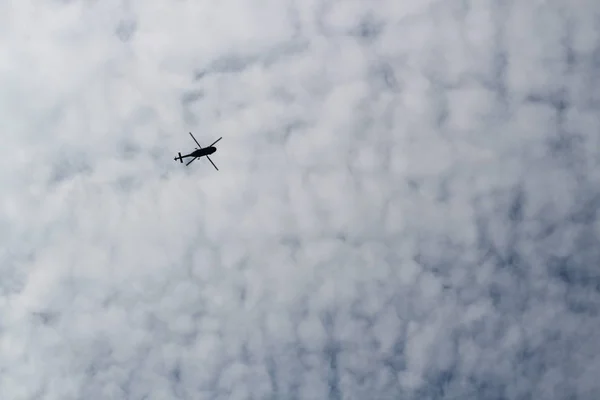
(202, 152)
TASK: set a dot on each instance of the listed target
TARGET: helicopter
(199, 152)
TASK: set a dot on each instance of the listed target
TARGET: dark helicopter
(199, 152)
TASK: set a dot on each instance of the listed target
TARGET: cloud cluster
(406, 205)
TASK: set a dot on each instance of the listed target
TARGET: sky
(406, 205)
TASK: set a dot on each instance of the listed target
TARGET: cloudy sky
(406, 207)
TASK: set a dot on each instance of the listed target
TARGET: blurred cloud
(406, 205)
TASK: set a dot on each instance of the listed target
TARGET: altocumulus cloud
(407, 205)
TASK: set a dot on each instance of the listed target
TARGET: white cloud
(406, 203)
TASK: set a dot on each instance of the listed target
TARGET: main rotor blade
(216, 141)
(195, 140)
(212, 162)
(191, 161)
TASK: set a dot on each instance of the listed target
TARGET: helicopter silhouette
(199, 152)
